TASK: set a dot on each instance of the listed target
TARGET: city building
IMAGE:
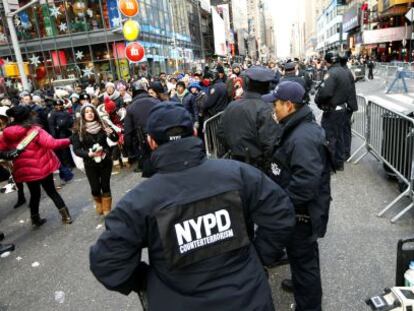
(388, 32)
(312, 10)
(74, 39)
(240, 26)
(329, 28)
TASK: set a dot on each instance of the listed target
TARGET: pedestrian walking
(301, 167)
(204, 234)
(36, 164)
(90, 143)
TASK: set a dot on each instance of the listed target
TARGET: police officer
(351, 106)
(247, 128)
(300, 166)
(134, 126)
(332, 98)
(217, 97)
(291, 74)
(200, 232)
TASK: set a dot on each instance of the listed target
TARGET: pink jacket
(38, 160)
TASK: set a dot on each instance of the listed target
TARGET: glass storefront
(74, 39)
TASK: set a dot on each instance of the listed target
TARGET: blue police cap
(290, 66)
(260, 74)
(286, 90)
(165, 116)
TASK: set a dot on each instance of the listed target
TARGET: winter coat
(38, 160)
(81, 148)
(301, 166)
(217, 267)
(60, 124)
(189, 103)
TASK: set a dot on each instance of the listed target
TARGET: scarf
(114, 96)
(93, 127)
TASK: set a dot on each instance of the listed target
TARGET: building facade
(78, 39)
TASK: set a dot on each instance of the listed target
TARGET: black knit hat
(19, 113)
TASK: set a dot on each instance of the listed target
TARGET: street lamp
(15, 40)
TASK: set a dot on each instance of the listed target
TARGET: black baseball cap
(286, 90)
(168, 115)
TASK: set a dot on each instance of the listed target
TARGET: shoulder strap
(27, 140)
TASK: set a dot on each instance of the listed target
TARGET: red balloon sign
(129, 7)
(134, 52)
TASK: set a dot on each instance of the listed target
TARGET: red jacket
(38, 160)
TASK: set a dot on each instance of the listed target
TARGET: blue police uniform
(197, 218)
(300, 166)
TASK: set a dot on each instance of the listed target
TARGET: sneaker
(6, 248)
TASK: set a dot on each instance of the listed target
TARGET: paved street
(357, 255)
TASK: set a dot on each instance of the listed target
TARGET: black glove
(10, 155)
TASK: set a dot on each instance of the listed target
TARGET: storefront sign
(351, 19)
(385, 35)
(135, 52)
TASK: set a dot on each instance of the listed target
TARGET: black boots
(66, 219)
(287, 285)
(37, 221)
(1, 236)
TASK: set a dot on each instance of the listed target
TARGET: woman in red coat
(37, 162)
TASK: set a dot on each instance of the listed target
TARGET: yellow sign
(11, 70)
(122, 69)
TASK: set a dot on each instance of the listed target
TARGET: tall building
(240, 25)
(313, 9)
(83, 39)
(329, 28)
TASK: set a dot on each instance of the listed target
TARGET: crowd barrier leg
(389, 206)
(399, 215)
(356, 152)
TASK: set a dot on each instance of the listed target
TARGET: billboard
(219, 30)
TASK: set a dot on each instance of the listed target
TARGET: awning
(385, 35)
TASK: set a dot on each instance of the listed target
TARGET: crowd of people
(155, 124)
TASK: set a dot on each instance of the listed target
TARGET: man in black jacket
(217, 98)
(351, 106)
(134, 127)
(247, 127)
(208, 237)
(332, 98)
(300, 166)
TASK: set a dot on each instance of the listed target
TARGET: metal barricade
(359, 126)
(389, 137)
(214, 148)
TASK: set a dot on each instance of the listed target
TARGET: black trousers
(49, 186)
(348, 133)
(370, 74)
(99, 177)
(333, 123)
(303, 254)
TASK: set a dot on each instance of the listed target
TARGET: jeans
(99, 177)
(48, 185)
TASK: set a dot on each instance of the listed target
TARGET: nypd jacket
(301, 166)
(247, 127)
(216, 100)
(136, 118)
(334, 90)
(196, 217)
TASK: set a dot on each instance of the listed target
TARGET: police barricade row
(389, 137)
(359, 124)
(214, 148)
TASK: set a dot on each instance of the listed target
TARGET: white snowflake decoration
(87, 72)
(79, 55)
(9, 83)
(89, 12)
(34, 60)
(116, 21)
(54, 11)
(63, 27)
(3, 37)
